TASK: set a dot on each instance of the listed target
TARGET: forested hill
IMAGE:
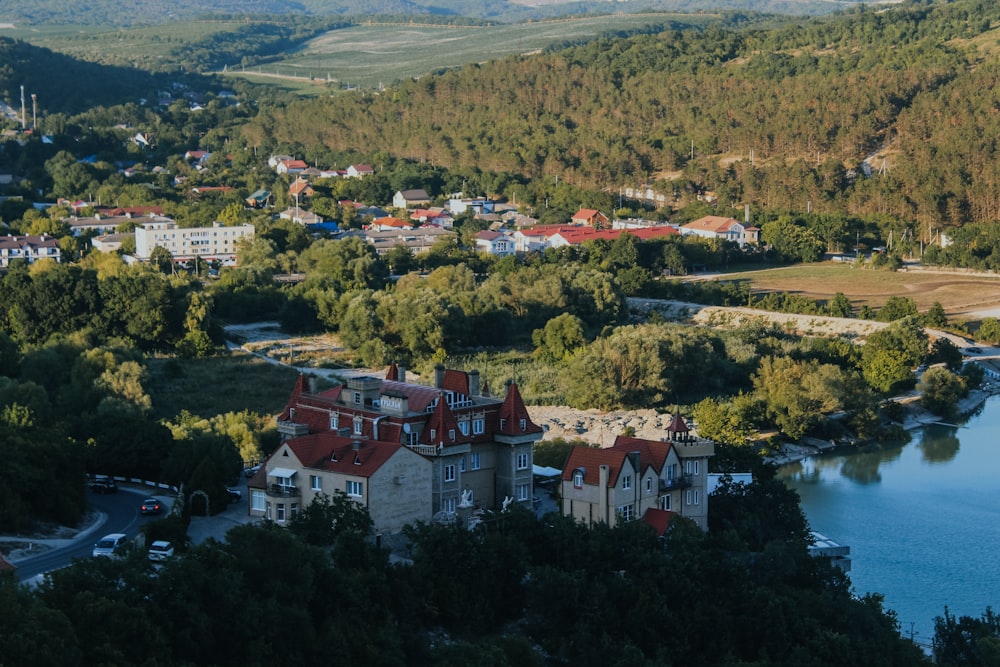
(915, 86)
(133, 12)
(63, 84)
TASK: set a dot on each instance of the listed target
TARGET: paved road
(120, 514)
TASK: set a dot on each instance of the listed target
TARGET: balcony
(292, 429)
(681, 482)
(282, 491)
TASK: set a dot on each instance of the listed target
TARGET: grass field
(226, 383)
(966, 296)
(369, 55)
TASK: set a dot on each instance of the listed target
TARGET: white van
(110, 545)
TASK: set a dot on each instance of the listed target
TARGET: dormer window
(334, 422)
(463, 427)
(577, 479)
(451, 434)
(503, 424)
(524, 424)
(433, 434)
(357, 425)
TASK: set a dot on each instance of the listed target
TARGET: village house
(300, 189)
(622, 482)
(405, 199)
(406, 451)
(719, 227)
(28, 248)
(291, 166)
(301, 216)
(359, 171)
(417, 241)
(259, 199)
(590, 218)
(499, 244)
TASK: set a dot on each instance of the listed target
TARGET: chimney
(401, 371)
(604, 508)
(474, 383)
(356, 445)
(439, 376)
(311, 380)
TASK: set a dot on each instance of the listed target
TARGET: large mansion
(405, 451)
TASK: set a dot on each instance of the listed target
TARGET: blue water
(922, 519)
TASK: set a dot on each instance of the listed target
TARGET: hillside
(789, 118)
(64, 84)
(126, 12)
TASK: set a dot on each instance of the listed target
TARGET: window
(522, 491)
(687, 467)
(294, 510)
(522, 461)
(449, 473)
(448, 505)
(334, 422)
(649, 485)
(627, 512)
(434, 434)
(627, 482)
(692, 497)
(357, 425)
(695, 466)
(257, 500)
(315, 483)
(461, 464)
(281, 512)
(697, 496)
(285, 482)
(411, 439)
(451, 434)
(355, 489)
(475, 460)
(463, 427)
(578, 479)
(268, 511)
(524, 424)
(665, 502)
(691, 467)
(478, 426)
(503, 424)
(357, 398)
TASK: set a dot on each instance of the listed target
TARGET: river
(922, 519)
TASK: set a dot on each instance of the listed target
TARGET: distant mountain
(133, 12)
(63, 84)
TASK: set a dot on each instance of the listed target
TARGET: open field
(369, 55)
(963, 295)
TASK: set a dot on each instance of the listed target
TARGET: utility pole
(34, 111)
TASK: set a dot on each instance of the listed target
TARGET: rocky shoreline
(601, 428)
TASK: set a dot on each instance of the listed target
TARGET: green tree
(326, 518)
(989, 331)
(940, 390)
(560, 337)
(840, 306)
(896, 308)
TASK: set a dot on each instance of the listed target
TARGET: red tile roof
(513, 412)
(590, 461)
(456, 381)
(652, 453)
(334, 453)
(442, 427)
(658, 519)
(712, 223)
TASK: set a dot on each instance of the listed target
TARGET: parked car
(251, 471)
(103, 485)
(234, 495)
(974, 350)
(151, 506)
(160, 550)
(110, 545)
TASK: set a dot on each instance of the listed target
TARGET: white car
(160, 550)
(110, 545)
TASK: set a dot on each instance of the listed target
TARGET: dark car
(150, 506)
(974, 350)
(234, 495)
(103, 485)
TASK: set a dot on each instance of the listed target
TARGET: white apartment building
(217, 242)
